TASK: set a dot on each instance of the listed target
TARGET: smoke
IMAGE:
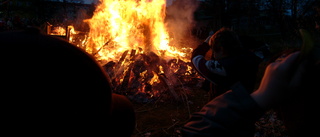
(79, 23)
(180, 18)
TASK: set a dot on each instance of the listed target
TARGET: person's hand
(277, 79)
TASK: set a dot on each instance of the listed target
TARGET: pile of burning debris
(132, 41)
(147, 77)
(143, 76)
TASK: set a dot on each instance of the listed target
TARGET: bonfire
(142, 51)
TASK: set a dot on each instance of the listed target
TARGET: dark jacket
(231, 114)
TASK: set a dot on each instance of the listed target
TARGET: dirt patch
(165, 118)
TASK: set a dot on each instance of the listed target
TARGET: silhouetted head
(51, 86)
(225, 42)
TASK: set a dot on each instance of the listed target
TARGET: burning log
(122, 59)
(125, 83)
(170, 86)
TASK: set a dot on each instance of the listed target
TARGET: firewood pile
(147, 77)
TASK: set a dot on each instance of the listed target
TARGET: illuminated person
(51, 87)
(230, 62)
(288, 86)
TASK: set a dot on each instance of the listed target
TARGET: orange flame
(131, 40)
(121, 25)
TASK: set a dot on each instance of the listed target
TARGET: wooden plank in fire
(101, 48)
(124, 54)
(133, 54)
(126, 79)
(170, 86)
(123, 57)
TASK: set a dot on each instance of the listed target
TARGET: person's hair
(52, 86)
(227, 39)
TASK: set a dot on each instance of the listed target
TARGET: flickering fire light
(117, 26)
(130, 40)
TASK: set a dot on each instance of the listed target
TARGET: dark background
(273, 22)
(254, 17)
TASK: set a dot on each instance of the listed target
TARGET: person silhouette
(51, 87)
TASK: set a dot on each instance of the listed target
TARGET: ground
(164, 118)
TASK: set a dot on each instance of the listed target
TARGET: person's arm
(277, 79)
(209, 69)
(203, 48)
(231, 114)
